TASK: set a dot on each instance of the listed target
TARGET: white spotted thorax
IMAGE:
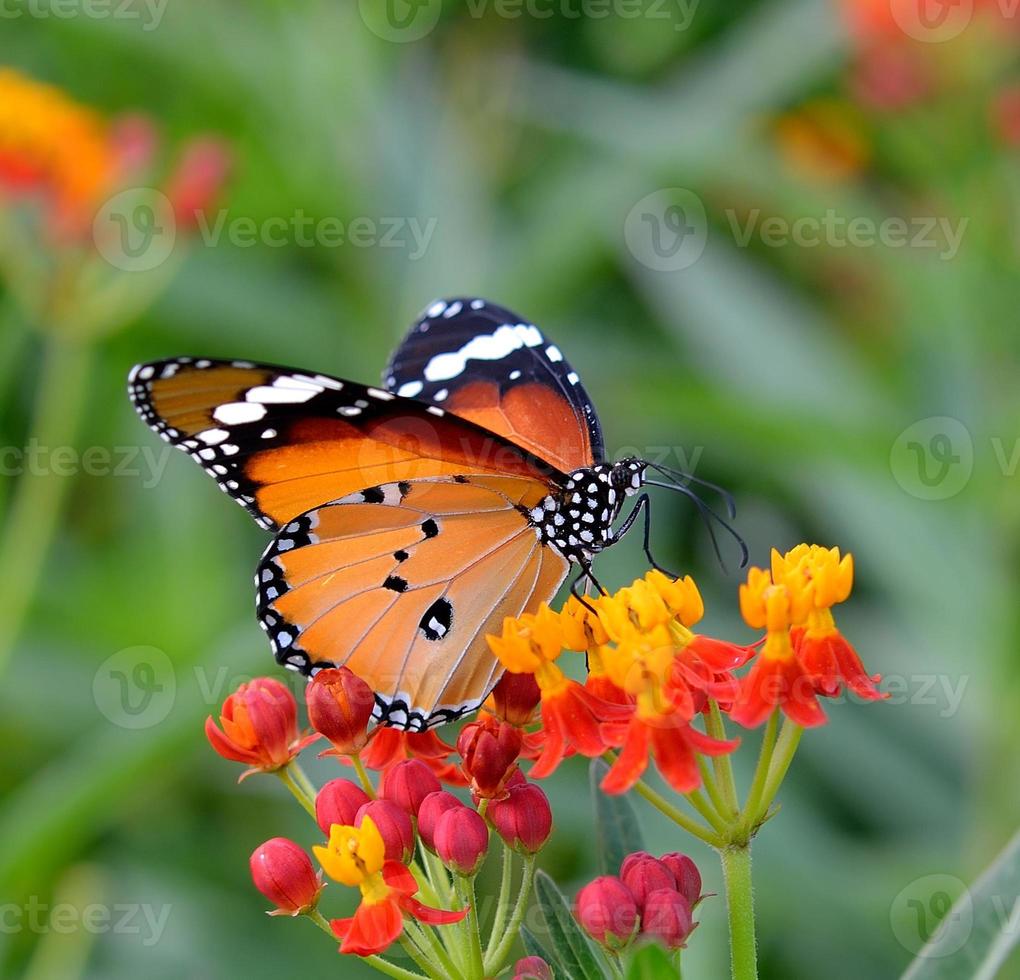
(578, 521)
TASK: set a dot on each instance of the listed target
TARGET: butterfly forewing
(282, 441)
(486, 363)
(403, 588)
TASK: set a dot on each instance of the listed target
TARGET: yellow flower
(47, 139)
(775, 608)
(582, 628)
(681, 596)
(529, 641)
(641, 660)
(354, 854)
(829, 576)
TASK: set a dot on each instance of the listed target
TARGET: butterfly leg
(585, 574)
(644, 505)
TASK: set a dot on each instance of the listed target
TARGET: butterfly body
(409, 519)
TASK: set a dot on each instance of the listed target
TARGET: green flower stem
(503, 904)
(722, 764)
(438, 876)
(363, 777)
(299, 793)
(466, 890)
(37, 500)
(718, 819)
(754, 796)
(427, 941)
(376, 962)
(678, 817)
(736, 862)
(708, 779)
(786, 749)
(411, 940)
(495, 958)
(425, 884)
(301, 778)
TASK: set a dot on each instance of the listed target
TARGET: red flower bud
(462, 840)
(284, 874)
(432, 808)
(338, 802)
(408, 783)
(490, 750)
(524, 819)
(259, 727)
(667, 917)
(394, 827)
(607, 911)
(340, 706)
(644, 875)
(515, 698)
(688, 878)
(532, 968)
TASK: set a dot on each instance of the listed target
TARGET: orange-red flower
(340, 706)
(777, 678)
(673, 743)
(356, 856)
(825, 654)
(259, 727)
(389, 746)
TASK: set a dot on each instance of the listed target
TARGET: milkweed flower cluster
(412, 841)
(650, 675)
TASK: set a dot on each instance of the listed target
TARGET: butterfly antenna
(708, 515)
(731, 507)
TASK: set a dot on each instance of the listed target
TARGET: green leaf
(980, 931)
(572, 954)
(617, 830)
(652, 963)
(533, 947)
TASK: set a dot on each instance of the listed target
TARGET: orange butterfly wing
(281, 441)
(487, 364)
(403, 590)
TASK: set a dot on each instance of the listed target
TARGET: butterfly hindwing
(486, 363)
(404, 587)
(282, 442)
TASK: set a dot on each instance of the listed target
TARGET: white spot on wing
(486, 347)
(237, 413)
(410, 389)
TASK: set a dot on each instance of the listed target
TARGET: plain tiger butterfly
(411, 518)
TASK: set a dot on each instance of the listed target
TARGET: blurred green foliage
(788, 372)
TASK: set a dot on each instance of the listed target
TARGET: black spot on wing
(437, 619)
(429, 528)
(395, 584)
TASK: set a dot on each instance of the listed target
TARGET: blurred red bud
(394, 826)
(340, 706)
(408, 783)
(515, 698)
(606, 910)
(432, 808)
(688, 877)
(524, 819)
(338, 802)
(462, 840)
(643, 874)
(198, 180)
(489, 750)
(667, 917)
(532, 968)
(284, 874)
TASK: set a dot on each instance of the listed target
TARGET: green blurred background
(855, 392)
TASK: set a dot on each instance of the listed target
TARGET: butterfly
(410, 519)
